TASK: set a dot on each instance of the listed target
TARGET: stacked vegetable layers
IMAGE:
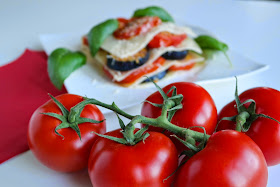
(145, 46)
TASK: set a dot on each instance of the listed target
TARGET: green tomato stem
(166, 106)
(241, 120)
(160, 121)
(75, 111)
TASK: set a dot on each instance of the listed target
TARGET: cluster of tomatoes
(230, 158)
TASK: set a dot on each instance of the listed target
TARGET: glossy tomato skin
(198, 109)
(230, 158)
(68, 154)
(144, 164)
(265, 132)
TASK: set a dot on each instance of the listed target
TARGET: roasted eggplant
(156, 77)
(129, 63)
(175, 55)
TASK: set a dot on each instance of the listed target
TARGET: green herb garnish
(99, 33)
(154, 11)
(209, 43)
(61, 63)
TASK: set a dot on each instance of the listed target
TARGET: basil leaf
(154, 11)
(209, 53)
(99, 33)
(209, 43)
(61, 63)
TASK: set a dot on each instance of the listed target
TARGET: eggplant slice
(129, 63)
(175, 55)
(156, 77)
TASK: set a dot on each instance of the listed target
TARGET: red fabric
(24, 86)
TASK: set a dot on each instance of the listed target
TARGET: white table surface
(251, 28)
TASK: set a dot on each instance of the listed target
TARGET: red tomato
(184, 67)
(68, 154)
(198, 109)
(122, 22)
(265, 132)
(165, 39)
(85, 40)
(139, 72)
(144, 164)
(135, 27)
(230, 158)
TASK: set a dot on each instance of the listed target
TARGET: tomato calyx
(192, 144)
(170, 104)
(130, 137)
(65, 121)
(245, 116)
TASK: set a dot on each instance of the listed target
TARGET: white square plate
(88, 81)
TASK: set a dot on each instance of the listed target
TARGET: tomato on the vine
(148, 163)
(198, 109)
(265, 132)
(67, 153)
(230, 158)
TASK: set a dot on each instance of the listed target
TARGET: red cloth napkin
(24, 86)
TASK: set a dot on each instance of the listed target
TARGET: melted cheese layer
(126, 48)
(187, 44)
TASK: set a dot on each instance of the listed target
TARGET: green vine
(168, 108)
